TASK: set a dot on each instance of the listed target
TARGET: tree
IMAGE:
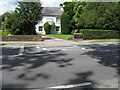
(12, 24)
(28, 15)
(68, 9)
(65, 24)
(97, 15)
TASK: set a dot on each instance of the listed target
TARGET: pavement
(62, 64)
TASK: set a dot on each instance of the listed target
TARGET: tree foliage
(99, 15)
(24, 18)
(65, 24)
(28, 14)
(11, 24)
(68, 9)
(93, 15)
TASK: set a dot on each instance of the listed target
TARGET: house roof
(52, 11)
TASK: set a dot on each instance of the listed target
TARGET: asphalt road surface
(46, 67)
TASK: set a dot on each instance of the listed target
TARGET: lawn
(61, 36)
(106, 40)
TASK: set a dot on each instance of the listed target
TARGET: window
(40, 28)
(49, 19)
(57, 19)
(57, 28)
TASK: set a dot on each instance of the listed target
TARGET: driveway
(43, 67)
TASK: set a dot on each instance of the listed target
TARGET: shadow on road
(35, 60)
(108, 55)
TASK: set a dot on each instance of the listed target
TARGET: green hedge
(100, 34)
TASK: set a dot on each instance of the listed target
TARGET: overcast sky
(9, 5)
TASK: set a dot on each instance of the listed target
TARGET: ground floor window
(40, 28)
(57, 28)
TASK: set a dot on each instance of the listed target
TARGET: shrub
(47, 28)
(5, 33)
(52, 28)
(100, 34)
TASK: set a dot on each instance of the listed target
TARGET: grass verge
(61, 36)
(106, 40)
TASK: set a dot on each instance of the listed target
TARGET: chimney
(61, 6)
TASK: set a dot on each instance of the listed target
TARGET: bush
(47, 28)
(100, 34)
(52, 28)
(5, 33)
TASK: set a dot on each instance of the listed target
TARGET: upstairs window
(50, 20)
(57, 19)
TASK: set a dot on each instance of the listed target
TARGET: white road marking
(72, 85)
(83, 48)
(44, 49)
(37, 47)
(64, 49)
(21, 50)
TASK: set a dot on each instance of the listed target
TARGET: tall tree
(99, 15)
(68, 9)
(28, 13)
(65, 24)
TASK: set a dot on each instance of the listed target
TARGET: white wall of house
(45, 19)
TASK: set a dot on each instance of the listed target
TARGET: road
(44, 67)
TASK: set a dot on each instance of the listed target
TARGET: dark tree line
(93, 15)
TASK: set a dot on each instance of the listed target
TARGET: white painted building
(50, 14)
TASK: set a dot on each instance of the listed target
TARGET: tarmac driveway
(44, 67)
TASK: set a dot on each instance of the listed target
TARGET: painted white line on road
(44, 49)
(83, 48)
(72, 85)
(21, 50)
(64, 49)
(37, 47)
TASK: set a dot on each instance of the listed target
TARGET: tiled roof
(52, 11)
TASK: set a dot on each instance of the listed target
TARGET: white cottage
(50, 14)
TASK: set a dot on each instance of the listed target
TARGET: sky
(9, 5)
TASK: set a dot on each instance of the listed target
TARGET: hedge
(100, 34)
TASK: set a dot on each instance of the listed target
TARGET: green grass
(19, 43)
(106, 40)
(4, 33)
(61, 36)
